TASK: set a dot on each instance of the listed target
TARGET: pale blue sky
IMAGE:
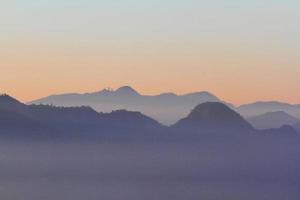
(125, 19)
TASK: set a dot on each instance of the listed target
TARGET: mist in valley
(232, 168)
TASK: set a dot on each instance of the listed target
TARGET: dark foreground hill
(213, 117)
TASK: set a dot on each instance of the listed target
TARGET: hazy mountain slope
(71, 119)
(285, 130)
(123, 119)
(213, 117)
(16, 117)
(209, 117)
(85, 119)
(272, 120)
(260, 108)
(166, 108)
(8, 103)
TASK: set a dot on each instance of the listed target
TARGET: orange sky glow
(241, 52)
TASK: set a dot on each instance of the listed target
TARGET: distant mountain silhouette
(272, 120)
(166, 107)
(259, 108)
(283, 130)
(213, 117)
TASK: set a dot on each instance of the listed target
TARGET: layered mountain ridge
(273, 120)
(70, 119)
(262, 107)
(167, 108)
(208, 117)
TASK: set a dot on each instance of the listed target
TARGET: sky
(242, 51)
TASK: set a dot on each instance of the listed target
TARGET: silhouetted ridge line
(213, 117)
(126, 90)
(209, 117)
(261, 107)
(6, 100)
(70, 120)
(282, 131)
(165, 107)
(274, 119)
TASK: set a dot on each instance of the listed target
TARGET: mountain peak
(126, 90)
(213, 110)
(214, 116)
(5, 99)
(202, 95)
(105, 91)
(9, 103)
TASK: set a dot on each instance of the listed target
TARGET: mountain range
(167, 108)
(273, 120)
(208, 117)
(18, 117)
(262, 107)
